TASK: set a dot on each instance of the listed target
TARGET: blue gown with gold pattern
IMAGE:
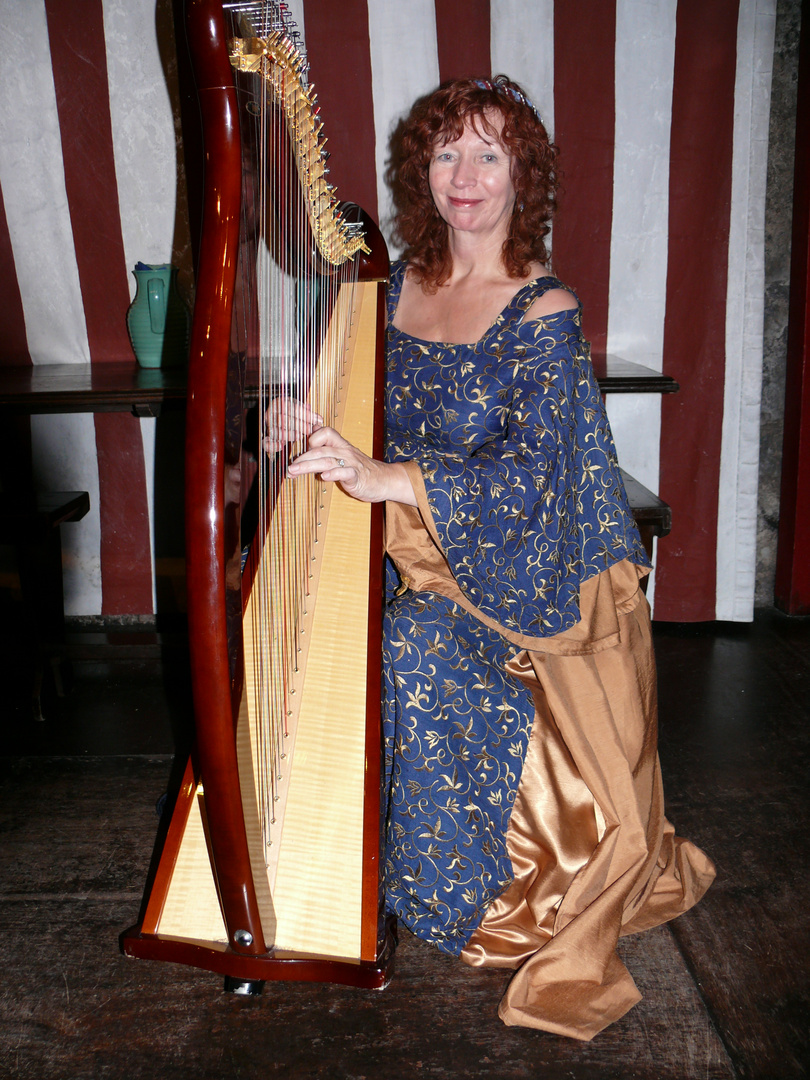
(521, 502)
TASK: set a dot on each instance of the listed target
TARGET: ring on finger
(341, 463)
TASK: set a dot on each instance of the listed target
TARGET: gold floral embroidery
(523, 486)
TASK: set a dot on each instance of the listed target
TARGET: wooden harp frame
(211, 784)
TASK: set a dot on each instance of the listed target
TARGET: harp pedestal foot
(243, 987)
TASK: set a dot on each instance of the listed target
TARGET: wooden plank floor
(725, 987)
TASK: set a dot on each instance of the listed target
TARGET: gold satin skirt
(593, 855)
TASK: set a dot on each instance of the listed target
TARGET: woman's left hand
(360, 476)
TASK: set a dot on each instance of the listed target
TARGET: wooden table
(119, 387)
(113, 387)
(31, 521)
(107, 387)
(618, 376)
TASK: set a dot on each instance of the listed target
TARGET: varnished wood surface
(648, 509)
(725, 987)
(104, 387)
(205, 463)
(312, 901)
(618, 376)
(48, 509)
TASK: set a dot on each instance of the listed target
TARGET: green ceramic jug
(158, 319)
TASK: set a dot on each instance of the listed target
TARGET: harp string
(296, 275)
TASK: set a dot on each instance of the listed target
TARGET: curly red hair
(441, 117)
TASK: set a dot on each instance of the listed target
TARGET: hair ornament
(499, 85)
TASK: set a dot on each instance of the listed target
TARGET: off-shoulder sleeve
(538, 508)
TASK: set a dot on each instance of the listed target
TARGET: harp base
(364, 975)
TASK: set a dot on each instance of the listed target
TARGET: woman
(525, 825)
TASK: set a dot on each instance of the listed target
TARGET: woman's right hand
(335, 460)
(286, 421)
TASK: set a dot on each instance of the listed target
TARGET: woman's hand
(360, 476)
(286, 421)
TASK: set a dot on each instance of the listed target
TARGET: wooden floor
(725, 987)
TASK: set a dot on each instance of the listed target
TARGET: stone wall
(778, 222)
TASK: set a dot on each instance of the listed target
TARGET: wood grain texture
(310, 896)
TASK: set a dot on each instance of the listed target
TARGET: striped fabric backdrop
(660, 109)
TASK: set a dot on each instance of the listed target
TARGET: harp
(269, 868)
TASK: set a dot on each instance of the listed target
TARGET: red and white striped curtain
(660, 109)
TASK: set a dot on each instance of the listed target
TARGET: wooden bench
(32, 528)
(619, 376)
(653, 516)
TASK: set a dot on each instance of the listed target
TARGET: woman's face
(471, 183)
